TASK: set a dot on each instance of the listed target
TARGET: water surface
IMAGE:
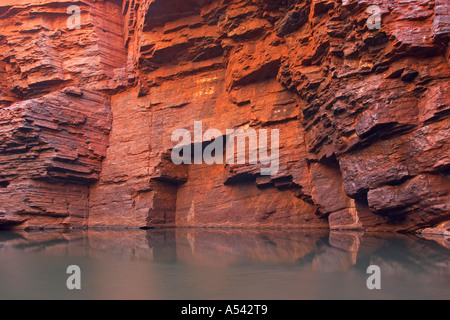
(222, 264)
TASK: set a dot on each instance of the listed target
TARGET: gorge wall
(87, 113)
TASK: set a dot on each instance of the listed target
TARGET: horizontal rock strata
(87, 113)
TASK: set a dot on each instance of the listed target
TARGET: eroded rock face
(87, 115)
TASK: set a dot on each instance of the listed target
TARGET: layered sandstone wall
(55, 113)
(87, 114)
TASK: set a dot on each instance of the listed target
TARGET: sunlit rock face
(359, 95)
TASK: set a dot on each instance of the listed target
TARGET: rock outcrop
(88, 112)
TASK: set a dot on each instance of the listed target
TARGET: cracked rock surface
(87, 114)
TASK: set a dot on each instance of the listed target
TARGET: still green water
(222, 264)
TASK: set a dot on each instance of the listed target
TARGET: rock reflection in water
(222, 264)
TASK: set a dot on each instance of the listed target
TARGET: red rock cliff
(87, 112)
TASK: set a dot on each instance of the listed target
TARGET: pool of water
(218, 264)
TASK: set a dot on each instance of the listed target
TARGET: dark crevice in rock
(4, 184)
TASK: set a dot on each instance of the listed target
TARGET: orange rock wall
(87, 114)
